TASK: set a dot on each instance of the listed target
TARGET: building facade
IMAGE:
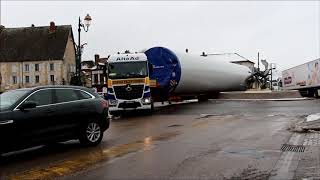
(34, 56)
(95, 73)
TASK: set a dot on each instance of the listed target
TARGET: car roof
(59, 86)
(66, 86)
(31, 89)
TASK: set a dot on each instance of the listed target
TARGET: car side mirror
(27, 105)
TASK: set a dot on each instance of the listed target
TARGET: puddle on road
(244, 151)
(204, 116)
(84, 161)
(205, 119)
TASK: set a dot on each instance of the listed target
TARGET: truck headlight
(146, 100)
(113, 102)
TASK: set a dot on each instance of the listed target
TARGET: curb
(282, 99)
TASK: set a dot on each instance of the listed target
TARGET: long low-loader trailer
(304, 77)
(137, 80)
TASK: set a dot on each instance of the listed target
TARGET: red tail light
(104, 104)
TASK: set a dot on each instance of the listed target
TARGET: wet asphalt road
(208, 140)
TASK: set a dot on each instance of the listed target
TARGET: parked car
(48, 114)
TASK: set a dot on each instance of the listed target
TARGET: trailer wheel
(307, 93)
(316, 94)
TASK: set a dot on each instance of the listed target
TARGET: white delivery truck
(305, 78)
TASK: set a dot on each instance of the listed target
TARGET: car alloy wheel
(93, 132)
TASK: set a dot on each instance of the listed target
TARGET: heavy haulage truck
(304, 77)
(137, 80)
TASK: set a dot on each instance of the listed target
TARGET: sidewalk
(267, 94)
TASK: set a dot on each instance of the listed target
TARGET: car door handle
(6, 122)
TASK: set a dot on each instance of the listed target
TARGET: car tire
(91, 134)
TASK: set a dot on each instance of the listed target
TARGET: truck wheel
(316, 94)
(152, 105)
(91, 134)
(115, 113)
(150, 111)
(306, 93)
(202, 98)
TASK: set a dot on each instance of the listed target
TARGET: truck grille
(123, 93)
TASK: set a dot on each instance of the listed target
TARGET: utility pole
(271, 78)
(271, 68)
(258, 84)
(258, 62)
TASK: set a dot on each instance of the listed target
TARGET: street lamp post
(271, 68)
(85, 26)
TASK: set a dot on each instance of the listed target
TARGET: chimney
(52, 28)
(1, 28)
(96, 59)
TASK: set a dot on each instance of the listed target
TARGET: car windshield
(128, 70)
(9, 98)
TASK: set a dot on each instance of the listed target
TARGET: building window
(27, 79)
(51, 78)
(14, 79)
(14, 68)
(36, 67)
(37, 79)
(95, 78)
(26, 67)
(102, 79)
(51, 67)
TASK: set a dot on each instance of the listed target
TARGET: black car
(44, 115)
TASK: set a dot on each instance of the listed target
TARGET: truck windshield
(128, 70)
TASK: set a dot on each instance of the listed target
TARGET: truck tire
(115, 113)
(316, 94)
(307, 93)
(152, 105)
(150, 111)
(203, 98)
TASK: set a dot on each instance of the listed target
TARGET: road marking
(84, 161)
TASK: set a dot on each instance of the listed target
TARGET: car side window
(42, 97)
(65, 95)
(82, 95)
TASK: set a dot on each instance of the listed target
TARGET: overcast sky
(284, 32)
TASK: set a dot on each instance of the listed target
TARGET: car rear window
(65, 95)
(83, 95)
